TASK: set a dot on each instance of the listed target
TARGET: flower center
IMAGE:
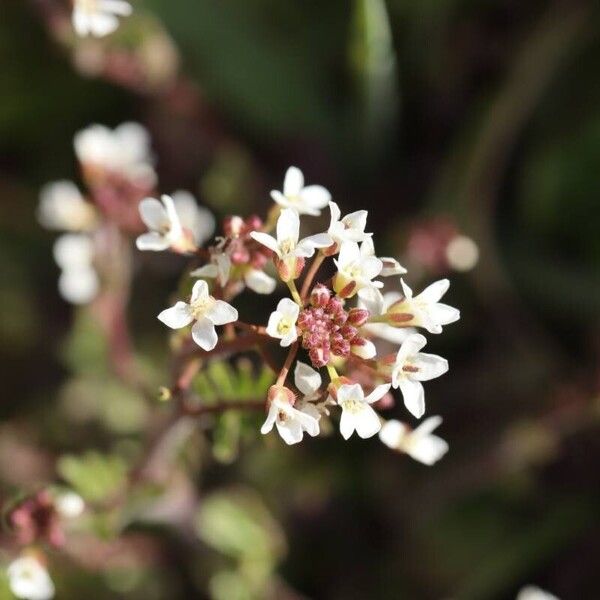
(287, 246)
(353, 405)
(201, 306)
(284, 326)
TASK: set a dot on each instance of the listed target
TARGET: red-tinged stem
(310, 275)
(288, 363)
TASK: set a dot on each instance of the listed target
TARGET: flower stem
(288, 363)
(314, 267)
(333, 374)
(294, 291)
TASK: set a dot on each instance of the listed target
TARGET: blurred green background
(483, 116)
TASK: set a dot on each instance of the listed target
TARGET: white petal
(350, 391)
(209, 270)
(347, 423)
(427, 426)
(349, 253)
(270, 420)
(154, 214)
(315, 196)
(410, 347)
(28, 579)
(221, 313)
(204, 334)
(199, 291)
(293, 182)
(414, 396)
(288, 308)
(391, 267)
(428, 450)
(78, 285)
(430, 366)
(73, 250)
(152, 241)
(259, 282)
(366, 350)
(372, 300)
(289, 338)
(177, 316)
(288, 226)
(408, 294)
(307, 380)
(290, 431)
(307, 246)
(102, 24)
(117, 7)
(378, 393)
(392, 432)
(266, 240)
(336, 213)
(367, 423)
(434, 292)
(371, 267)
(443, 314)
(280, 199)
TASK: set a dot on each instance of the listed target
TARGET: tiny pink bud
(320, 296)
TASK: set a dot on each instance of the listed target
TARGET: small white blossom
(124, 150)
(355, 270)
(411, 367)
(98, 17)
(28, 579)
(390, 265)
(426, 310)
(63, 207)
(258, 281)
(291, 423)
(350, 228)
(78, 282)
(282, 322)
(69, 505)
(307, 200)
(218, 268)
(418, 443)
(357, 413)
(287, 246)
(174, 222)
(378, 304)
(532, 592)
(205, 310)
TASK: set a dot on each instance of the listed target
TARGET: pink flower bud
(320, 296)
(358, 316)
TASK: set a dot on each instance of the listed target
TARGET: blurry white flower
(258, 281)
(124, 150)
(378, 304)
(424, 310)
(532, 592)
(351, 228)
(418, 443)
(287, 247)
(307, 200)
(390, 265)
(195, 218)
(69, 505)
(462, 253)
(291, 423)
(355, 271)
(282, 322)
(28, 579)
(63, 207)
(78, 282)
(411, 367)
(357, 413)
(205, 311)
(98, 17)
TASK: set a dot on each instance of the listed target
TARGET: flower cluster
(342, 322)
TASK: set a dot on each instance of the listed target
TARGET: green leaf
(95, 476)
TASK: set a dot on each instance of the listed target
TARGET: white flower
(309, 382)
(532, 592)
(291, 423)
(124, 150)
(307, 200)
(78, 282)
(28, 579)
(258, 281)
(175, 222)
(63, 207)
(418, 443)
(287, 247)
(98, 17)
(205, 311)
(69, 505)
(218, 268)
(355, 270)
(390, 265)
(282, 322)
(357, 414)
(411, 367)
(425, 309)
(378, 304)
(349, 229)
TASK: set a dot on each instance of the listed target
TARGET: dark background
(481, 116)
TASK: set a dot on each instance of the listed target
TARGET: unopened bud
(363, 348)
(280, 393)
(358, 316)
(320, 296)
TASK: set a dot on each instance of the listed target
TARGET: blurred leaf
(93, 475)
(86, 349)
(226, 436)
(374, 69)
(270, 86)
(238, 524)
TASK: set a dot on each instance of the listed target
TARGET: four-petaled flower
(423, 310)
(378, 304)
(98, 17)
(357, 413)
(282, 322)
(205, 310)
(411, 367)
(290, 253)
(418, 443)
(29, 579)
(307, 200)
(356, 270)
(390, 266)
(350, 228)
(291, 423)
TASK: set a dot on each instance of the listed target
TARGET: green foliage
(86, 349)
(97, 477)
